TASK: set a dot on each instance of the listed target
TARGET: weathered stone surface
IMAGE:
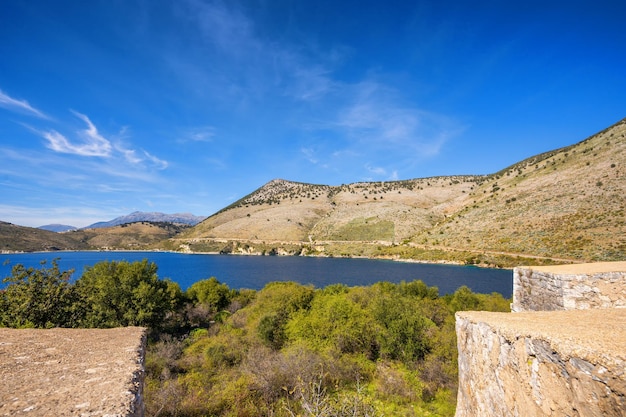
(569, 287)
(558, 363)
(72, 372)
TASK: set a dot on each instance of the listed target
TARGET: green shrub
(126, 294)
(41, 298)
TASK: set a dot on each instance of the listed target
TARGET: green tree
(405, 330)
(126, 294)
(275, 304)
(42, 298)
(418, 289)
(464, 299)
(211, 293)
(334, 320)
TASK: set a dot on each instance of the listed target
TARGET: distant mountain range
(137, 216)
(140, 216)
(59, 228)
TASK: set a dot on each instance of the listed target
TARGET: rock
(562, 352)
(560, 363)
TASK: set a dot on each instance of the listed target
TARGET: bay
(254, 272)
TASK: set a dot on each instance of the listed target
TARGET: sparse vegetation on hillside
(564, 205)
(28, 239)
(138, 235)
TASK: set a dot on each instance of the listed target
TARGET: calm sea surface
(255, 271)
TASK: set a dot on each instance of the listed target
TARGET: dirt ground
(71, 372)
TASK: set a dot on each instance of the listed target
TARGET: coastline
(252, 253)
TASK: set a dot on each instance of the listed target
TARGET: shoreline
(214, 253)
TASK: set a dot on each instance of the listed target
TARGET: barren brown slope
(280, 210)
(391, 211)
(139, 235)
(381, 211)
(566, 203)
(28, 239)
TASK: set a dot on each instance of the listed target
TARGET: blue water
(255, 271)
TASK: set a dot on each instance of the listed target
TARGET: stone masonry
(570, 362)
(72, 372)
(569, 287)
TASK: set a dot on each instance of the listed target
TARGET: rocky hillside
(139, 235)
(387, 211)
(29, 239)
(568, 203)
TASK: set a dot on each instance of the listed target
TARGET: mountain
(138, 216)
(59, 228)
(138, 235)
(564, 205)
(29, 239)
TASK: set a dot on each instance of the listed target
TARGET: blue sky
(107, 107)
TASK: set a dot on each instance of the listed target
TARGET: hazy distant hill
(139, 216)
(567, 203)
(59, 228)
(28, 239)
(138, 235)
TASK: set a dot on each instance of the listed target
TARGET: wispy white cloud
(252, 66)
(380, 171)
(367, 120)
(130, 155)
(216, 163)
(135, 157)
(156, 162)
(73, 215)
(302, 79)
(197, 134)
(372, 128)
(225, 27)
(309, 154)
(92, 144)
(13, 104)
(378, 116)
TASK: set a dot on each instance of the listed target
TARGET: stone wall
(548, 363)
(569, 287)
(72, 372)
(560, 363)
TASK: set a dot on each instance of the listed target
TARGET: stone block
(556, 363)
(72, 372)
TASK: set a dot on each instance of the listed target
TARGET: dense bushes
(40, 298)
(385, 349)
(109, 294)
(286, 350)
(126, 294)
